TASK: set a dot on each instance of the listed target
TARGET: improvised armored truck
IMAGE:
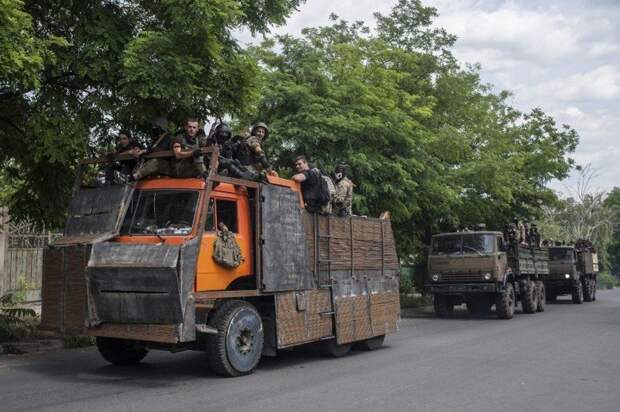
(481, 269)
(572, 272)
(136, 268)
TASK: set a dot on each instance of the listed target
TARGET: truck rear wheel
(540, 289)
(370, 344)
(529, 297)
(333, 349)
(121, 351)
(443, 306)
(587, 290)
(593, 290)
(577, 293)
(238, 345)
(505, 302)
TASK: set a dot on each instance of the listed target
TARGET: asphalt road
(566, 359)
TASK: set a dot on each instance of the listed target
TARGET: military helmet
(256, 126)
(159, 126)
(223, 130)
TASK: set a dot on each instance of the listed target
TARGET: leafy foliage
(424, 138)
(73, 73)
(13, 318)
(612, 202)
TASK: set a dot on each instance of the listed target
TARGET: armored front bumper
(455, 288)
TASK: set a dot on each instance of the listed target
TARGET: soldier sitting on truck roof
(248, 155)
(161, 142)
(124, 146)
(188, 158)
(228, 165)
(314, 188)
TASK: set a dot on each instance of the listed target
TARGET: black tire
(593, 290)
(121, 351)
(370, 344)
(577, 293)
(505, 302)
(529, 297)
(587, 290)
(238, 345)
(332, 349)
(540, 289)
(443, 306)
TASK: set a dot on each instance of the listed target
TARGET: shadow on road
(159, 368)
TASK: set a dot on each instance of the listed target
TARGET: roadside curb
(37, 346)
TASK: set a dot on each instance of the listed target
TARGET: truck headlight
(487, 276)
(435, 278)
(567, 276)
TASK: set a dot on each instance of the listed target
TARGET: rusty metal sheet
(95, 214)
(284, 253)
(134, 284)
(187, 279)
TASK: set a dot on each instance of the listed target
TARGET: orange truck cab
(136, 269)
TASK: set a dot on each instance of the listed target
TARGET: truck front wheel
(370, 344)
(505, 302)
(443, 306)
(540, 290)
(577, 292)
(529, 297)
(238, 345)
(121, 351)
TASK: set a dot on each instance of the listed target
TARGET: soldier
(228, 165)
(535, 236)
(124, 146)
(343, 196)
(313, 188)
(188, 158)
(161, 142)
(249, 152)
(520, 231)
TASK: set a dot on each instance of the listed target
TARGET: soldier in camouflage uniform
(161, 142)
(188, 158)
(343, 197)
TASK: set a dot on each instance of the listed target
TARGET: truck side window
(226, 212)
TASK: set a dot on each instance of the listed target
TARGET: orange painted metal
(209, 274)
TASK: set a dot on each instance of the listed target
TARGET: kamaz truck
(482, 270)
(572, 271)
(140, 268)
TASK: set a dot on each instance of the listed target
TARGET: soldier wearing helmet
(160, 142)
(343, 197)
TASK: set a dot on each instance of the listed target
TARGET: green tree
(612, 202)
(424, 139)
(73, 72)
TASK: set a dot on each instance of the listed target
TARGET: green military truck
(482, 269)
(572, 271)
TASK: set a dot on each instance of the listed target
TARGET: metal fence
(21, 254)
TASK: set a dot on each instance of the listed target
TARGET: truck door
(233, 211)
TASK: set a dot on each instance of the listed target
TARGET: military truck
(481, 269)
(572, 271)
(136, 268)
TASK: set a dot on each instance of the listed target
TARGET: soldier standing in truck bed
(125, 146)
(343, 196)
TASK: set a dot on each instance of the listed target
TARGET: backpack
(326, 188)
(226, 251)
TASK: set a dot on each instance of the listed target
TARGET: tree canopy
(424, 138)
(72, 72)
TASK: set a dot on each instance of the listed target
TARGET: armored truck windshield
(466, 243)
(161, 212)
(560, 253)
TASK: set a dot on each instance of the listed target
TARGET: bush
(606, 281)
(16, 323)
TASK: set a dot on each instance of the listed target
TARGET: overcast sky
(560, 55)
